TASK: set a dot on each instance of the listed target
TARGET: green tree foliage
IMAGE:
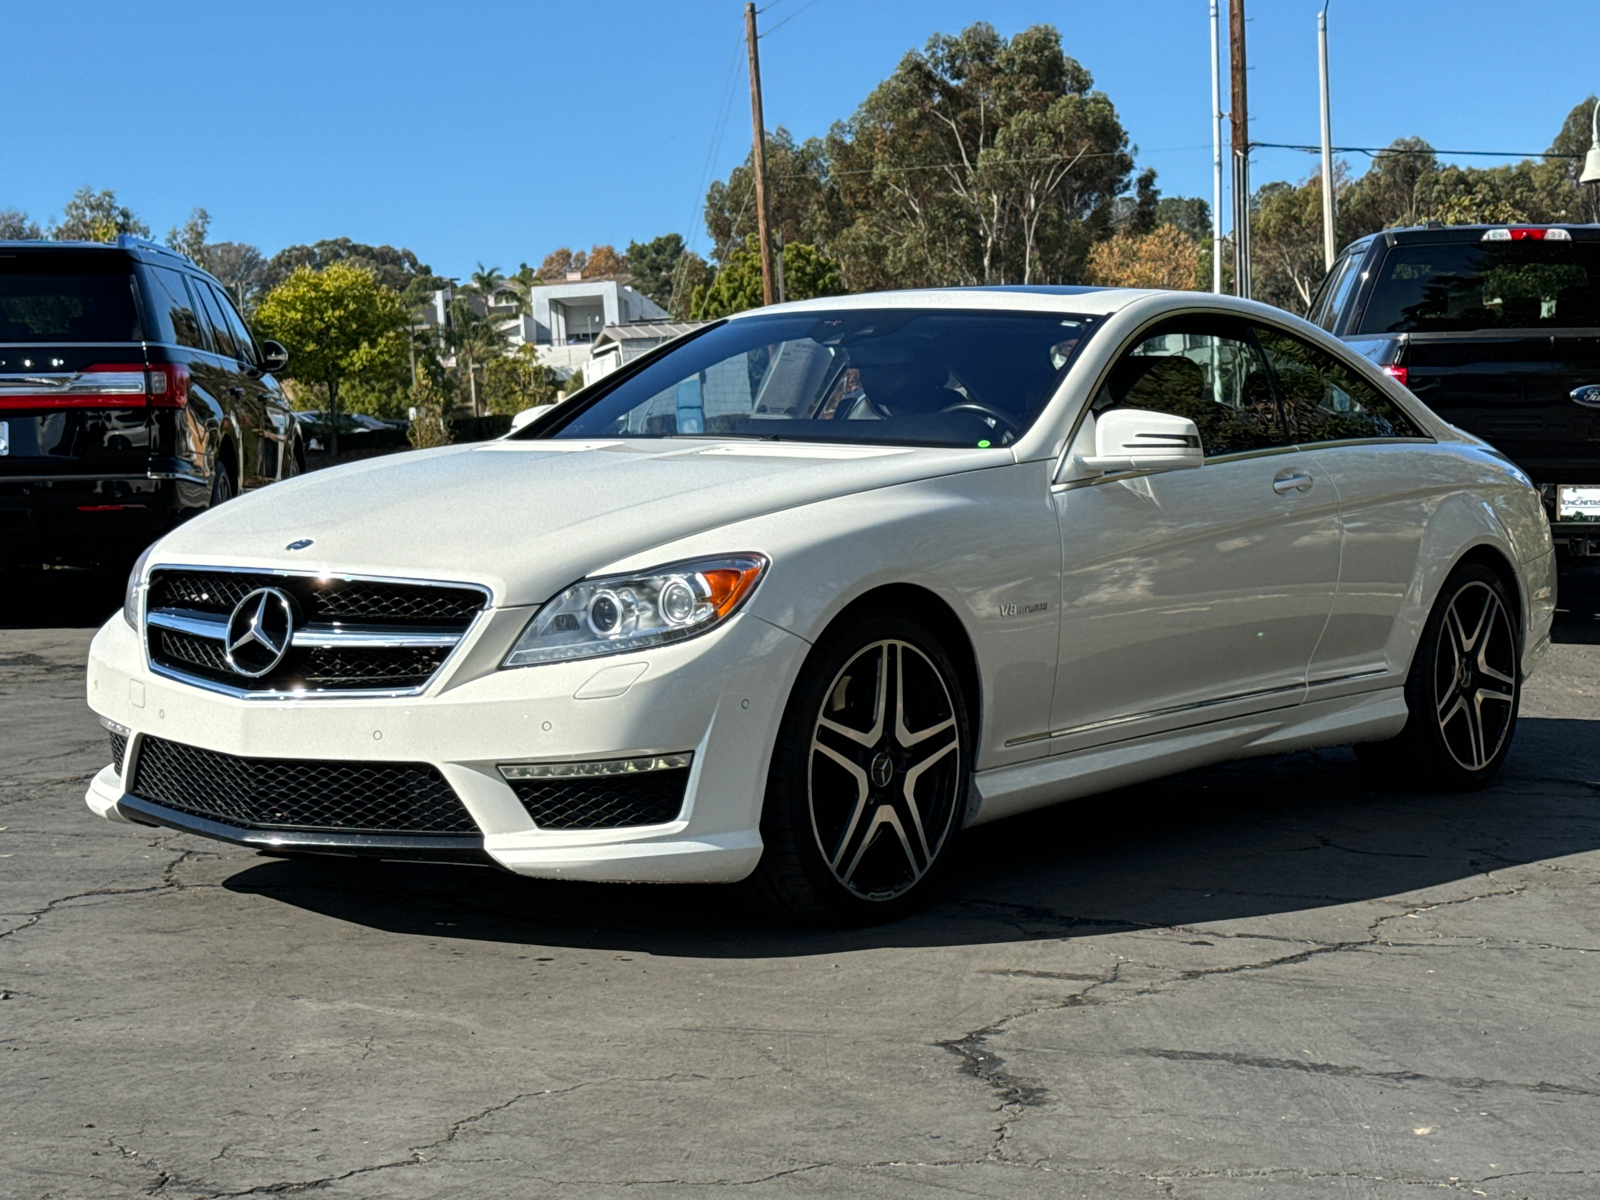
(395, 269)
(980, 160)
(486, 279)
(15, 226)
(476, 340)
(430, 424)
(240, 268)
(92, 216)
(1190, 214)
(802, 204)
(190, 238)
(737, 286)
(513, 382)
(338, 323)
(692, 274)
(654, 264)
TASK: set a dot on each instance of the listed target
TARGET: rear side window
(1345, 273)
(171, 312)
(67, 297)
(236, 326)
(221, 336)
(1447, 287)
(1326, 401)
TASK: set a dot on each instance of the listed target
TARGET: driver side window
(1212, 375)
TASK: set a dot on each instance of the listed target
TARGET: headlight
(620, 613)
(133, 593)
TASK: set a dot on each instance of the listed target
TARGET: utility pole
(1240, 115)
(1216, 158)
(1328, 246)
(769, 292)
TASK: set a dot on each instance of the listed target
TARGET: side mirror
(273, 356)
(1133, 439)
(525, 417)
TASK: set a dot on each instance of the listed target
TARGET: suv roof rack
(128, 241)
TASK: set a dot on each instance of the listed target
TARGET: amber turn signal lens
(728, 586)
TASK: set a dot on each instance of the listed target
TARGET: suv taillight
(1399, 374)
(104, 385)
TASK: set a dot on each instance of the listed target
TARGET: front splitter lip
(434, 848)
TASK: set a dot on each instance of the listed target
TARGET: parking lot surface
(1266, 979)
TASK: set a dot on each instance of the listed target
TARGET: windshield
(899, 376)
(1454, 286)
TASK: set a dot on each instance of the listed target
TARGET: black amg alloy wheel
(1463, 690)
(868, 778)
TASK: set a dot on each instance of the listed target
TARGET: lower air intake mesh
(606, 802)
(299, 794)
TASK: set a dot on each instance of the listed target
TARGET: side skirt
(1006, 791)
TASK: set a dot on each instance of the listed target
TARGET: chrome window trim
(279, 695)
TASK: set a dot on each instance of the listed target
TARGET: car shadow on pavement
(1299, 831)
(59, 597)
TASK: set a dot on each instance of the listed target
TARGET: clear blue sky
(496, 131)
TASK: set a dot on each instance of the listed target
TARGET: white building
(618, 344)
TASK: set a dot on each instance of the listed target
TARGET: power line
(787, 19)
(1379, 151)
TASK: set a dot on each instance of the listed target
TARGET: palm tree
(486, 279)
(475, 339)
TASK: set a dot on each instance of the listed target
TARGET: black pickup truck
(1497, 329)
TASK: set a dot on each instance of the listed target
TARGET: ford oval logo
(1588, 394)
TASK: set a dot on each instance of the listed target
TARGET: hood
(526, 518)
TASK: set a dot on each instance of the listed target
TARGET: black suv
(1497, 329)
(131, 396)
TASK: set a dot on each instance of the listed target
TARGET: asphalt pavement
(1265, 979)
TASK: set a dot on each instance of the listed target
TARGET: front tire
(1463, 691)
(868, 778)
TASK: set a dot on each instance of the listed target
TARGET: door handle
(1292, 481)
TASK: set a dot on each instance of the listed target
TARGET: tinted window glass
(1326, 401)
(221, 338)
(171, 312)
(54, 297)
(902, 376)
(1345, 273)
(1485, 285)
(236, 325)
(1211, 374)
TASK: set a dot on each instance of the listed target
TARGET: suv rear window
(1447, 287)
(48, 296)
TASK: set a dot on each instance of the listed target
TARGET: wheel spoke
(931, 745)
(884, 816)
(1474, 722)
(909, 791)
(1490, 694)
(842, 740)
(863, 789)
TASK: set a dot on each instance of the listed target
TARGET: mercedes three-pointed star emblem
(260, 631)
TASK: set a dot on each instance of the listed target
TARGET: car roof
(1089, 301)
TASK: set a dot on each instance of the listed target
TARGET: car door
(236, 388)
(1389, 479)
(1195, 594)
(268, 405)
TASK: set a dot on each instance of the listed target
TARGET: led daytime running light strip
(600, 768)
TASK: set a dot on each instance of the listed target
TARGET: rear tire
(1462, 693)
(221, 485)
(868, 779)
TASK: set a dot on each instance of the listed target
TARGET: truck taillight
(1526, 233)
(1399, 374)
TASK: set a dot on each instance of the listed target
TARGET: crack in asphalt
(1468, 1083)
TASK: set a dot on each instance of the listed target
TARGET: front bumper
(720, 696)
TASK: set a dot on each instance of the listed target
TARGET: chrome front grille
(347, 636)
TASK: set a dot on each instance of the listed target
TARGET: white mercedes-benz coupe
(796, 597)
